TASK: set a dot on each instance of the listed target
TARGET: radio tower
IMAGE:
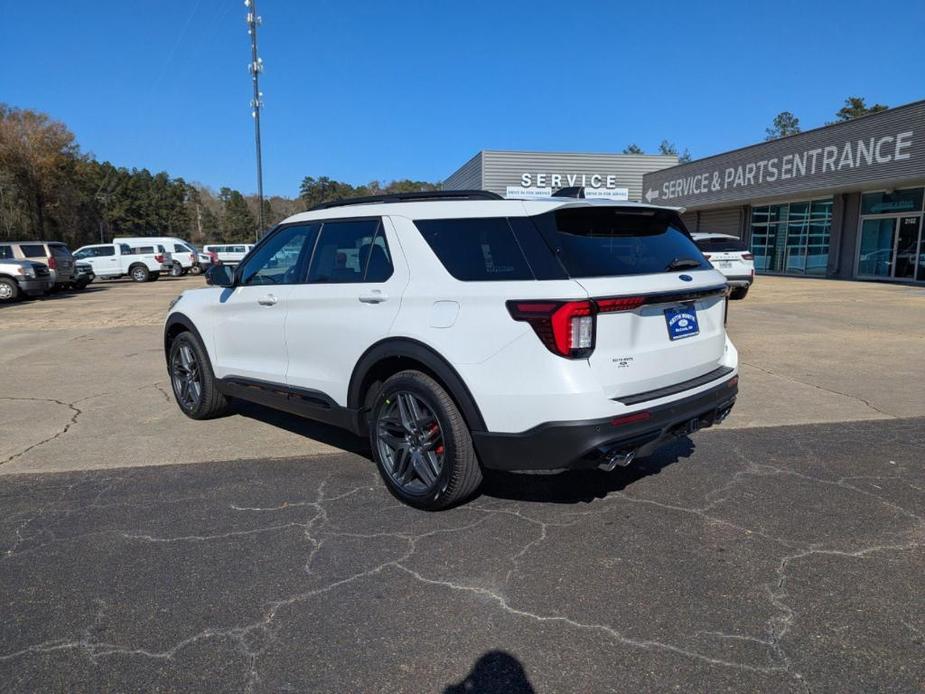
(256, 67)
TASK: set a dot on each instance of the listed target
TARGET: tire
(196, 270)
(155, 276)
(139, 273)
(188, 366)
(738, 293)
(176, 270)
(80, 286)
(422, 446)
(9, 290)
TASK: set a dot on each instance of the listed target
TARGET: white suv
(731, 256)
(461, 331)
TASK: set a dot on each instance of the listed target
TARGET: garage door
(727, 221)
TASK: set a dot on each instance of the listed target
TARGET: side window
(345, 249)
(109, 250)
(281, 259)
(476, 250)
(33, 250)
(376, 258)
(123, 250)
(6, 253)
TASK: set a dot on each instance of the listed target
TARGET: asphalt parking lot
(782, 551)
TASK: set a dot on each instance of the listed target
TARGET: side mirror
(220, 276)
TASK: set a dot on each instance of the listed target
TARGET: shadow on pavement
(566, 487)
(496, 672)
(325, 433)
(581, 486)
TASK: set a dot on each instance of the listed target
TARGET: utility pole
(256, 67)
(104, 199)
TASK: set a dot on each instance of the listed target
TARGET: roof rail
(419, 196)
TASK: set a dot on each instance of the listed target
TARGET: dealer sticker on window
(682, 322)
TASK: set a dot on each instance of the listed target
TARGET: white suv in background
(731, 256)
(461, 331)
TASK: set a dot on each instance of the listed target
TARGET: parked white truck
(185, 255)
(113, 260)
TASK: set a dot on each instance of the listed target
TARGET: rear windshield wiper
(681, 263)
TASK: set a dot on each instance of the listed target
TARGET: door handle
(268, 300)
(374, 297)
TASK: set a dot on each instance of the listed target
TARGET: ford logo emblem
(685, 278)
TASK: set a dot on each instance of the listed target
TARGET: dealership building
(540, 174)
(844, 201)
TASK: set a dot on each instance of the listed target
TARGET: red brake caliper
(439, 449)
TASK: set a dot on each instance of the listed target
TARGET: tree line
(51, 189)
(784, 124)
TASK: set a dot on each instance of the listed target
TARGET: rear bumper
(740, 280)
(586, 444)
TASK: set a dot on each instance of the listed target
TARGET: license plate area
(682, 322)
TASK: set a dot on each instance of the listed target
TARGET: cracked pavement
(782, 551)
(776, 559)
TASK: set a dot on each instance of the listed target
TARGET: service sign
(882, 147)
(522, 192)
(607, 193)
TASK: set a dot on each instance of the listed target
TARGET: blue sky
(382, 90)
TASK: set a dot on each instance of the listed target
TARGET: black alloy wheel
(186, 377)
(410, 442)
(421, 443)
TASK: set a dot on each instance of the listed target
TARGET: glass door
(875, 258)
(907, 248)
(892, 248)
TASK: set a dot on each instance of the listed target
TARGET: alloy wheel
(186, 376)
(6, 292)
(410, 442)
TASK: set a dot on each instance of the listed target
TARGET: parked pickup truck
(112, 260)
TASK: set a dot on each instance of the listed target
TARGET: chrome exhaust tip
(615, 458)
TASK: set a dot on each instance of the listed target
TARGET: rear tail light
(622, 303)
(158, 258)
(567, 328)
(748, 256)
(52, 263)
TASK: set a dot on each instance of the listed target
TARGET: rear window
(476, 249)
(59, 251)
(615, 241)
(718, 244)
(32, 250)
